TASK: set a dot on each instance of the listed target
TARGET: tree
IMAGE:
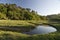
(14, 12)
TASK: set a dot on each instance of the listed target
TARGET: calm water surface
(42, 29)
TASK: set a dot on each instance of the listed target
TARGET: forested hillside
(14, 12)
(55, 17)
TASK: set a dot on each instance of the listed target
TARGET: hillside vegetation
(54, 18)
(14, 12)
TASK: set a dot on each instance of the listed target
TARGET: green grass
(14, 23)
(21, 25)
(8, 35)
(26, 24)
(20, 22)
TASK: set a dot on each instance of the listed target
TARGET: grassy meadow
(14, 35)
(19, 22)
(19, 25)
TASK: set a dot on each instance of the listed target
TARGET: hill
(54, 18)
(14, 12)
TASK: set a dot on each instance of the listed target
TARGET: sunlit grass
(8, 35)
(14, 23)
(19, 22)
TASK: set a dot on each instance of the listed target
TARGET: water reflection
(42, 29)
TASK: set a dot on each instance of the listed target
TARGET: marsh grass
(14, 23)
(18, 25)
(19, 22)
(8, 35)
(27, 24)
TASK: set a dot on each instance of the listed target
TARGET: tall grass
(19, 22)
(18, 25)
(8, 35)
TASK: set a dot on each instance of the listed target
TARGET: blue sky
(43, 7)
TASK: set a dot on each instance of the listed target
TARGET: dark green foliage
(14, 12)
(55, 18)
(37, 37)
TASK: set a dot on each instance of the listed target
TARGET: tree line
(54, 17)
(14, 12)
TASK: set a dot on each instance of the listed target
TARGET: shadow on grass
(16, 28)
